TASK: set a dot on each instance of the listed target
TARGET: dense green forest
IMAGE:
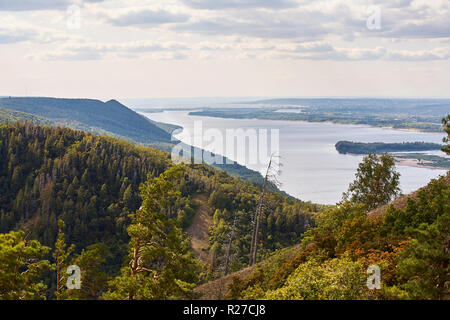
(408, 241)
(110, 118)
(381, 147)
(118, 213)
(66, 186)
(367, 247)
(101, 117)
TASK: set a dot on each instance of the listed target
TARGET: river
(312, 168)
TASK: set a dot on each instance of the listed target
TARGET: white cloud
(267, 34)
(37, 5)
(96, 51)
(16, 35)
(146, 18)
(240, 4)
(421, 55)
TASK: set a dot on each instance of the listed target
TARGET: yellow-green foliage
(334, 279)
(410, 245)
(21, 267)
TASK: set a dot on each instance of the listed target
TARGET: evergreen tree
(61, 255)
(21, 267)
(92, 262)
(161, 263)
(446, 124)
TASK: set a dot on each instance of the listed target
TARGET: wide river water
(312, 168)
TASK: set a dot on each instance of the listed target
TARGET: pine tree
(161, 263)
(92, 262)
(21, 267)
(61, 255)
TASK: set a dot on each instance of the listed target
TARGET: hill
(408, 239)
(104, 118)
(92, 183)
(98, 117)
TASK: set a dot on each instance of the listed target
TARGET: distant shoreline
(320, 117)
(411, 162)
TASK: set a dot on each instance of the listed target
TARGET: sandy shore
(415, 163)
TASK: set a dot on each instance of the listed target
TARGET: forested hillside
(58, 182)
(408, 240)
(110, 118)
(100, 117)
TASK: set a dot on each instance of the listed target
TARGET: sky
(206, 48)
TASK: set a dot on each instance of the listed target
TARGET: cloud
(34, 5)
(16, 35)
(258, 29)
(432, 29)
(13, 30)
(360, 54)
(147, 18)
(96, 51)
(422, 55)
(326, 52)
(394, 3)
(72, 56)
(311, 47)
(240, 4)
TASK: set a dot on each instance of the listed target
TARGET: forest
(408, 240)
(119, 215)
(110, 118)
(70, 197)
(345, 147)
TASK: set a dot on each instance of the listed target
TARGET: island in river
(405, 159)
(344, 147)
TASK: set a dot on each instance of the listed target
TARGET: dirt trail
(198, 231)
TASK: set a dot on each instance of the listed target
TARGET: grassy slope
(198, 231)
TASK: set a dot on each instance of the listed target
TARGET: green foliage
(106, 118)
(336, 279)
(376, 182)
(283, 221)
(425, 263)
(416, 114)
(92, 183)
(89, 182)
(12, 116)
(410, 244)
(380, 147)
(94, 274)
(162, 265)
(21, 267)
(60, 256)
(446, 124)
